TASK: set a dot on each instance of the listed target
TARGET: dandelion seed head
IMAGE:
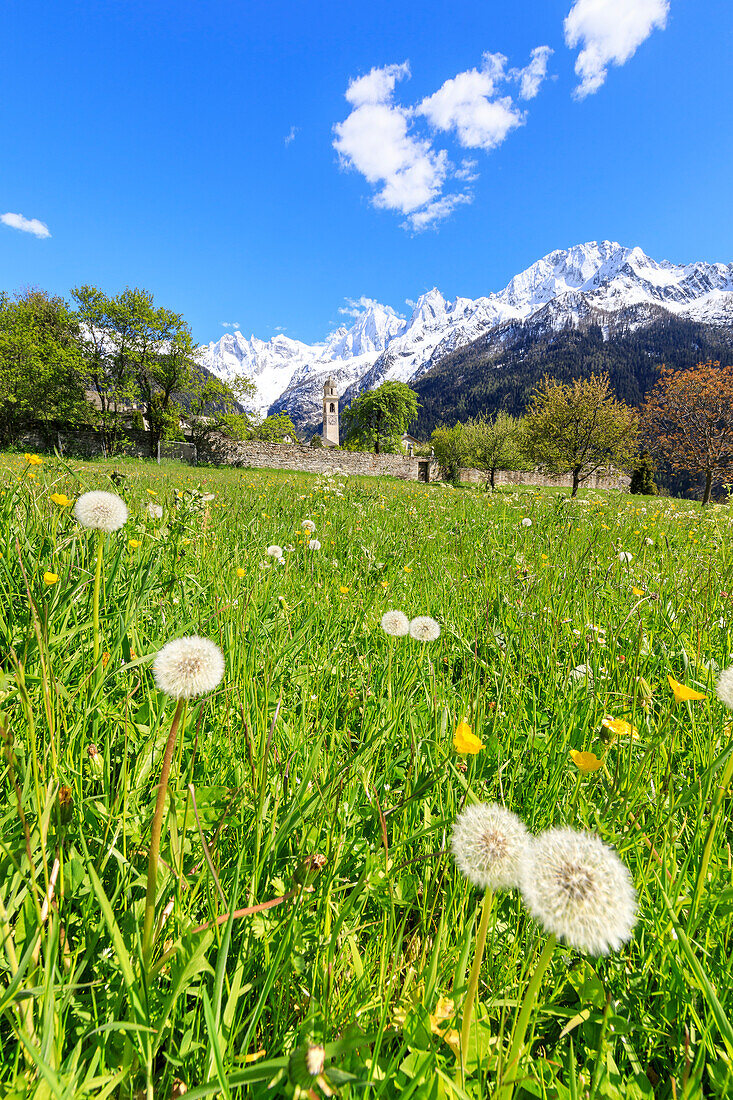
(626, 556)
(489, 845)
(576, 887)
(275, 551)
(155, 511)
(724, 687)
(308, 525)
(186, 667)
(395, 623)
(101, 511)
(526, 522)
(314, 544)
(424, 629)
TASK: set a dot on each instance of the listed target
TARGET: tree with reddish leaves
(688, 418)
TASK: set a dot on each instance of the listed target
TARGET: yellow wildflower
(61, 499)
(465, 740)
(240, 572)
(50, 578)
(154, 494)
(619, 727)
(34, 460)
(585, 762)
(682, 693)
(31, 475)
(343, 589)
(408, 569)
(637, 591)
(133, 543)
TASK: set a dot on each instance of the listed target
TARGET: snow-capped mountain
(600, 282)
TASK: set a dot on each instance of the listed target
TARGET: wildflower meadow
(327, 786)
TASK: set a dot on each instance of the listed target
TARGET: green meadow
(306, 896)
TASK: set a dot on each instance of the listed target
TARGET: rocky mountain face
(600, 285)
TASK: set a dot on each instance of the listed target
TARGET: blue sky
(208, 152)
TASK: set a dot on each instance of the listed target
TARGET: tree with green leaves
(377, 418)
(450, 447)
(497, 444)
(41, 364)
(214, 407)
(108, 372)
(578, 427)
(642, 476)
(277, 428)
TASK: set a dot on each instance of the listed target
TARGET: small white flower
(625, 556)
(188, 666)
(526, 522)
(275, 551)
(101, 511)
(308, 525)
(424, 629)
(648, 542)
(395, 623)
(155, 511)
(577, 888)
(314, 544)
(724, 687)
(489, 846)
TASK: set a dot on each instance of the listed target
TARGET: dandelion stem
(95, 601)
(155, 837)
(509, 1070)
(474, 976)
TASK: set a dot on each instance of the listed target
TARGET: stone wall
(319, 460)
(87, 443)
(603, 479)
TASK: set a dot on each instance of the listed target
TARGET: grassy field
(306, 894)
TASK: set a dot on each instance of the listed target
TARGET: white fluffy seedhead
(724, 687)
(155, 511)
(489, 846)
(576, 887)
(187, 667)
(395, 623)
(424, 629)
(101, 511)
(275, 551)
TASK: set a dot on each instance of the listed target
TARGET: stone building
(330, 414)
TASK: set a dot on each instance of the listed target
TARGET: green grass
(328, 738)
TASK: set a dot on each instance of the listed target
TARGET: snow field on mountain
(583, 281)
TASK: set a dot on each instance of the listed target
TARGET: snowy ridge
(568, 287)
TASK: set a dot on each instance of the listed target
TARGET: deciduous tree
(688, 418)
(377, 418)
(579, 426)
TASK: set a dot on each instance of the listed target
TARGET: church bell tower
(330, 414)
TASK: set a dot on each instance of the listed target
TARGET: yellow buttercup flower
(34, 460)
(683, 693)
(133, 543)
(240, 572)
(465, 740)
(585, 762)
(61, 499)
(31, 474)
(408, 569)
(637, 591)
(343, 589)
(619, 727)
(50, 578)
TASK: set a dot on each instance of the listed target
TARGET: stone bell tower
(330, 414)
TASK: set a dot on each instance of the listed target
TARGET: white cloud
(355, 307)
(230, 324)
(531, 76)
(291, 135)
(375, 139)
(464, 104)
(382, 139)
(25, 225)
(609, 32)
